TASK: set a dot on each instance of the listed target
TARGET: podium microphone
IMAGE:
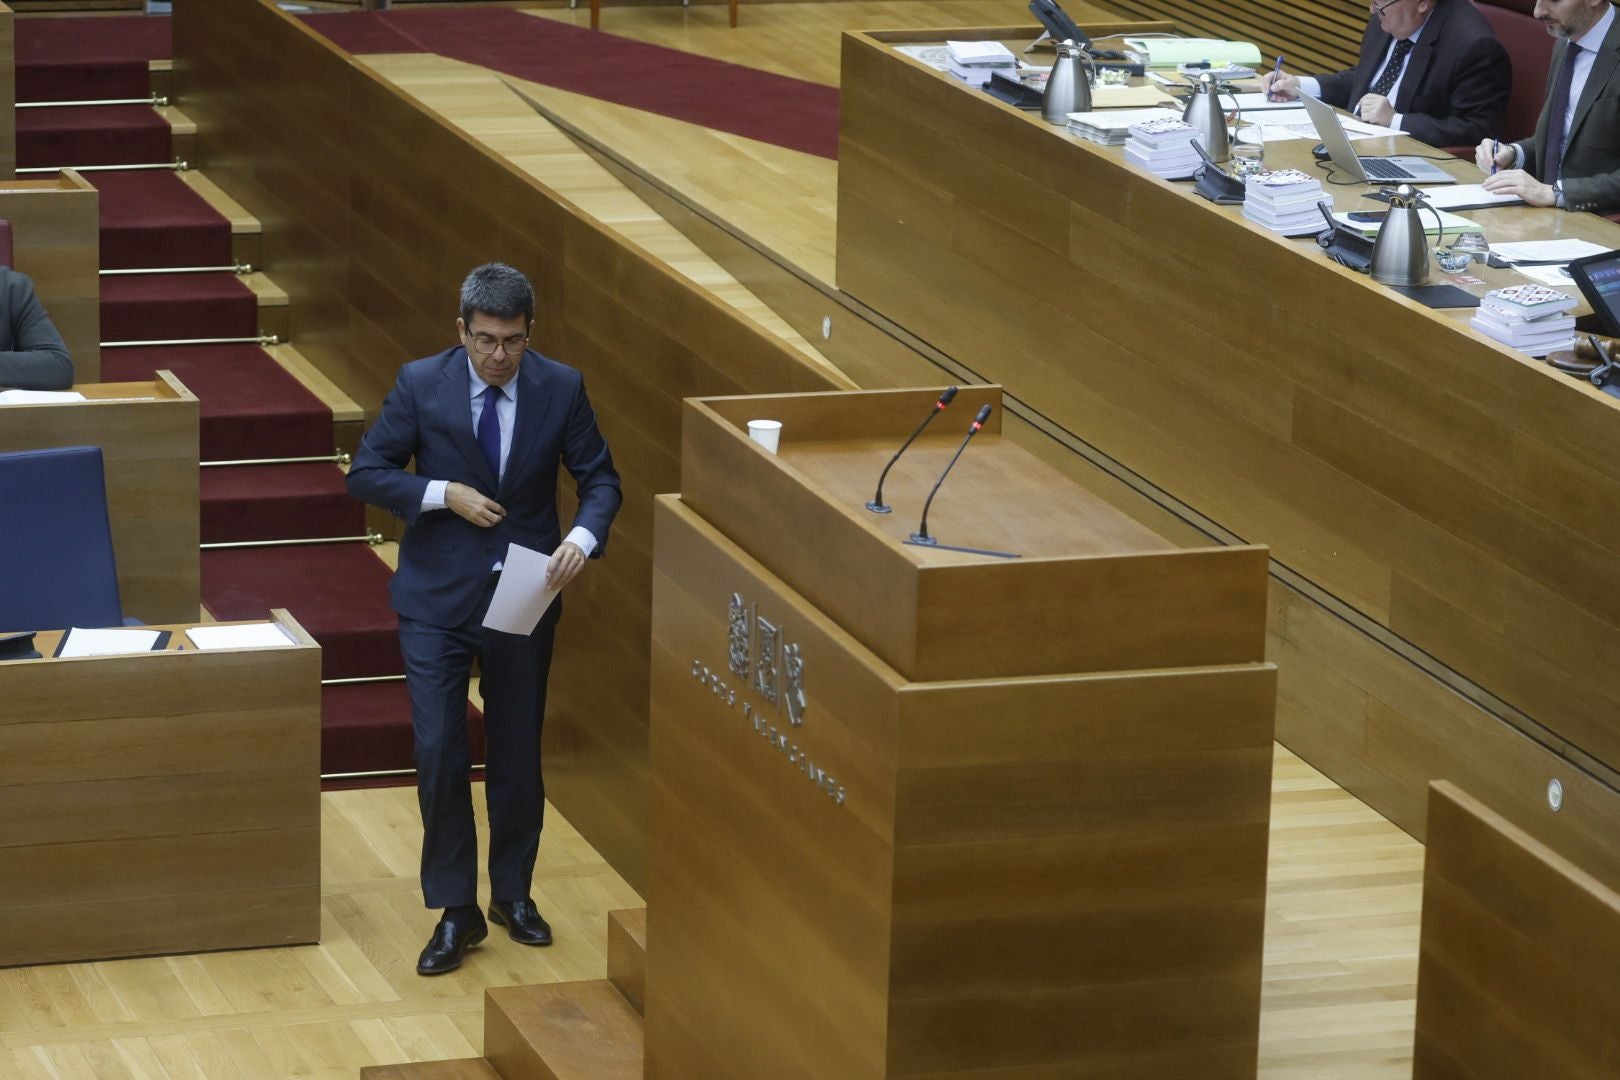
(877, 505)
(921, 537)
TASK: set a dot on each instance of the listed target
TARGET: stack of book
(1284, 202)
(1164, 148)
(1113, 127)
(1530, 318)
(974, 61)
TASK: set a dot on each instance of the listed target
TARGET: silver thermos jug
(1208, 117)
(1067, 88)
(1401, 252)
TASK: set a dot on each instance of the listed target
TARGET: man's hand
(1376, 109)
(1280, 87)
(1491, 155)
(472, 505)
(1520, 183)
(566, 563)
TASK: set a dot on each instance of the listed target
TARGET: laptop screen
(1599, 279)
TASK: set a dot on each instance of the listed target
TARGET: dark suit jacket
(32, 354)
(1592, 153)
(1457, 79)
(444, 560)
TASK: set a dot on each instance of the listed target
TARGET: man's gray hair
(499, 291)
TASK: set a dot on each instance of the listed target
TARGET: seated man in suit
(488, 423)
(1430, 68)
(1573, 159)
(32, 354)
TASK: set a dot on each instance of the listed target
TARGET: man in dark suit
(32, 354)
(1430, 68)
(1573, 159)
(488, 424)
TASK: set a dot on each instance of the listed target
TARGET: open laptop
(1371, 170)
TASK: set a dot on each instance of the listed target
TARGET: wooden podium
(917, 812)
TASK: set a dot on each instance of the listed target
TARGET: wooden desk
(1444, 511)
(167, 802)
(148, 438)
(56, 240)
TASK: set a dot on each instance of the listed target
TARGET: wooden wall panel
(1440, 489)
(160, 803)
(8, 94)
(373, 211)
(147, 433)
(56, 241)
(1314, 35)
(1517, 956)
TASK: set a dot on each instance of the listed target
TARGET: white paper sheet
(1546, 251)
(522, 596)
(38, 397)
(1546, 275)
(245, 636)
(1466, 197)
(108, 642)
(1256, 102)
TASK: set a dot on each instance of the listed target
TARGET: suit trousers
(438, 666)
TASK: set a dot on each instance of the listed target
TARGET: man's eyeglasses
(1379, 9)
(484, 344)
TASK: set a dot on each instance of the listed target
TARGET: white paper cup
(768, 433)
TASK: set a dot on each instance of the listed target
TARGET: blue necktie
(489, 431)
(1553, 167)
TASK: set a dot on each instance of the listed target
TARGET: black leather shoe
(450, 941)
(522, 920)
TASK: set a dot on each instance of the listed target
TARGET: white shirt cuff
(581, 538)
(433, 495)
(1395, 122)
(1308, 85)
(1518, 156)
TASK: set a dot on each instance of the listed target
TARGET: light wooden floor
(1341, 947)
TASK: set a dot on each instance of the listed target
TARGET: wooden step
(348, 418)
(562, 1031)
(627, 955)
(246, 232)
(458, 1069)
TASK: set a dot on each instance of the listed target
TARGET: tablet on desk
(1599, 279)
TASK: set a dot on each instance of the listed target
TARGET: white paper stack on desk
(973, 61)
(1284, 202)
(1164, 148)
(1113, 128)
(1530, 318)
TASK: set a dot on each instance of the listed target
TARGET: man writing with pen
(1430, 68)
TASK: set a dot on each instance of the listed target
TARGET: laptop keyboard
(1384, 169)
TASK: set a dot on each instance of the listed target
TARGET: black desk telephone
(1344, 245)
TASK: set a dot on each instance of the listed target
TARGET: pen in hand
(1496, 149)
(1276, 73)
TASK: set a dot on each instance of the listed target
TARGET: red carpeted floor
(78, 59)
(91, 135)
(278, 502)
(146, 307)
(152, 219)
(745, 101)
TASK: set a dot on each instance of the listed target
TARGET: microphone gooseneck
(921, 535)
(877, 505)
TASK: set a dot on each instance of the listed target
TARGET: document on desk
(1546, 251)
(38, 397)
(243, 636)
(522, 596)
(1466, 197)
(80, 641)
(1260, 103)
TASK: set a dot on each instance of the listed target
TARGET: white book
(38, 397)
(980, 52)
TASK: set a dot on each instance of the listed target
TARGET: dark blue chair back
(56, 554)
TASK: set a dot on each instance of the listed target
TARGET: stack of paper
(1112, 128)
(1530, 318)
(1164, 148)
(1169, 52)
(1284, 201)
(973, 61)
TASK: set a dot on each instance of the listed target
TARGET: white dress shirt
(506, 412)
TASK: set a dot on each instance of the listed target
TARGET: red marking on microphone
(977, 425)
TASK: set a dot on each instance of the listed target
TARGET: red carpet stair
(205, 327)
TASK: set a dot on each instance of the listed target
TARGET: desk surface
(1460, 498)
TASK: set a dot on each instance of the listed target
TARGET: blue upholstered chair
(56, 553)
